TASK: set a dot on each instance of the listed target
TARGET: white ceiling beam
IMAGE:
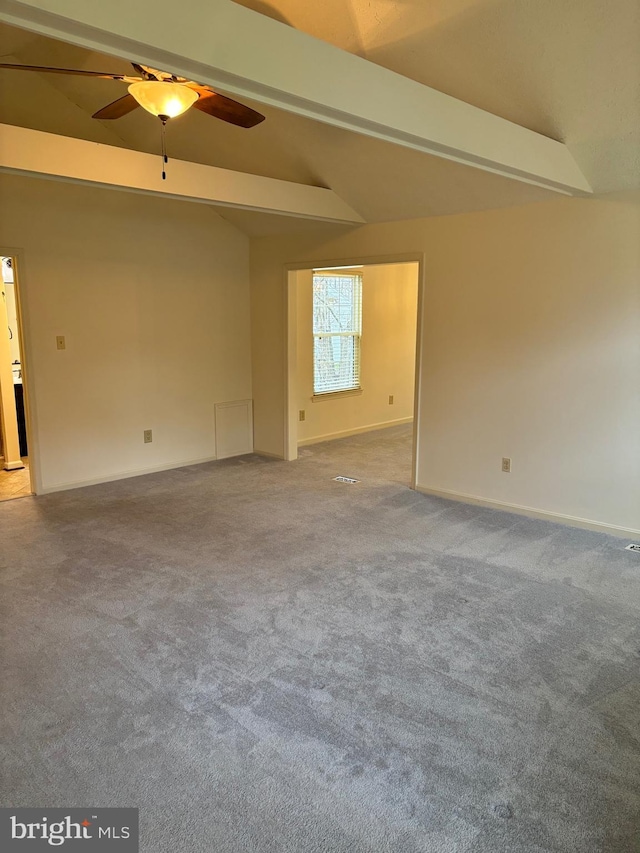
(247, 54)
(32, 152)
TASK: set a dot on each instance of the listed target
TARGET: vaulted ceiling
(567, 69)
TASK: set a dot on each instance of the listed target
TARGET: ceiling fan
(162, 94)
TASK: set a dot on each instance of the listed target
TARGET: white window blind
(337, 326)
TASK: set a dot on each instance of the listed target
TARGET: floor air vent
(633, 547)
(351, 480)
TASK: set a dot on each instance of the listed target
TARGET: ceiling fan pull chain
(163, 145)
(163, 141)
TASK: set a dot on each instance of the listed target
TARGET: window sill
(331, 395)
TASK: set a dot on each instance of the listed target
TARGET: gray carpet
(264, 660)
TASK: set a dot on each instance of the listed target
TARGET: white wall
(388, 352)
(152, 296)
(12, 320)
(530, 350)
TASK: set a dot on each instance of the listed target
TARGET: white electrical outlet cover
(346, 480)
(632, 547)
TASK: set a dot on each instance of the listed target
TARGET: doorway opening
(352, 356)
(15, 473)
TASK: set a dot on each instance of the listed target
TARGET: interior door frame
(291, 355)
(25, 361)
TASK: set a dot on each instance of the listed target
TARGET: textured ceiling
(569, 69)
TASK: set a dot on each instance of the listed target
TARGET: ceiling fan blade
(116, 109)
(219, 106)
(77, 72)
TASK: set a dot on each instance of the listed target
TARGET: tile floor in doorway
(15, 484)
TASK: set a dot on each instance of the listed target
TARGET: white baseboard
(122, 475)
(347, 432)
(557, 517)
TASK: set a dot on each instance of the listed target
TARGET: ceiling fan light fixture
(166, 100)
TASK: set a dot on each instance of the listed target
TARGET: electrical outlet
(148, 436)
(302, 415)
(391, 399)
(506, 464)
(60, 342)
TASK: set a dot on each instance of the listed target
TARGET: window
(337, 326)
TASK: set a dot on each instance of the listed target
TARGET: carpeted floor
(266, 661)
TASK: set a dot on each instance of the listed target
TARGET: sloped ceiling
(569, 70)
